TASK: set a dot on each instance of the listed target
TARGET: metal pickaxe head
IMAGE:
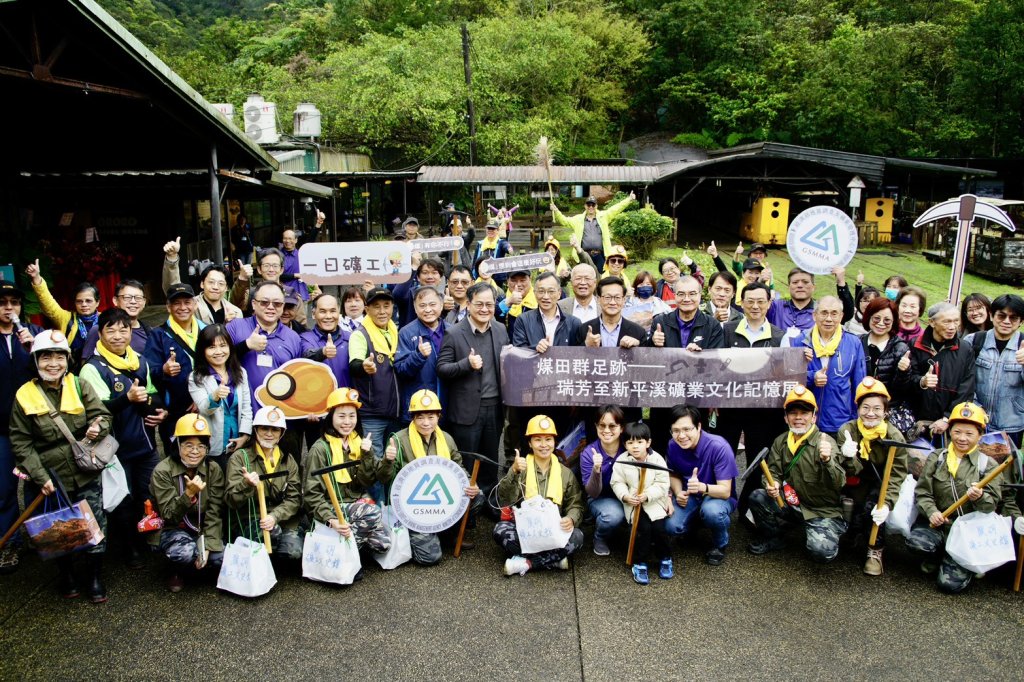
(477, 455)
(57, 483)
(900, 444)
(276, 474)
(756, 461)
(336, 467)
(643, 465)
(965, 209)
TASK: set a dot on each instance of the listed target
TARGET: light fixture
(343, 184)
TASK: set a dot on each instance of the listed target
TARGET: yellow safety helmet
(800, 394)
(541, 425)
(619, 250)
(192, 425)
(343, 396)
(969, 412)
(553, 242)
(424, 401)
(871, 386)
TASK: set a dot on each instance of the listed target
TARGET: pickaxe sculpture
(965, 209)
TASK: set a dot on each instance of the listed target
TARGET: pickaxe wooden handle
(25, 516)
(981, 484)
(465, 517)
(771, 481)
(261, 495)
(636, 517)
(873, 537)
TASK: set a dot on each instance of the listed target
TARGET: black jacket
(955, 365)
(884, 367)
(733, 340)
(628, 328)
(529, 329)
(464, 382)
(706, 332)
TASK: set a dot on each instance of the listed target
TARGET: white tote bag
(903, 515)
(401, 547)
(538, 524)
(246, 570)
(328, 557)
(981, 541)
(115, 484)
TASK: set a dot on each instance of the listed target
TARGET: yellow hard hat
(800, 394)
(424, 401)
(553, 242)
(969, 412)
(871, 386)
(619, 250)
(192, 425)
(343, 396)
(541, 425)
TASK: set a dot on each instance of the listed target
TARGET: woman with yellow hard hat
(188, 490)
(948, 474)
(540, 473)
(559, 266)
(343, 443)
(864, 457)
(423, 438)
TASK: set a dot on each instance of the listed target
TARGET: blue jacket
(414, 370)
(845, 371)
(173, 390)
(999, 382)
(529, 330)
(16, 368)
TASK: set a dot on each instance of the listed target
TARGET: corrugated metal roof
(535, 175)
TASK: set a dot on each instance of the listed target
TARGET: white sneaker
(517, 564)
(563, 565)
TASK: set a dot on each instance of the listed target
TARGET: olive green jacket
(38, 443)
(405, 452)
(816, 483)
(284, 493)
(878, 455)
(174, 505)
(315, 497)
(938, 489)
(512, 486)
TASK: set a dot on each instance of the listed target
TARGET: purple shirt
(684, 330)
(783, 314)
(712, 457)
(587, 465)
(283, 345)
(313, 342)
(291, 267)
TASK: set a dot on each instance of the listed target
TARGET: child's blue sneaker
(640, 574)
(666, 571)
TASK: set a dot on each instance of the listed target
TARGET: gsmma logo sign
(820, 239)
(427, 494)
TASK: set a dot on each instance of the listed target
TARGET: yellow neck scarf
(953, 458)
(128, 363)
(529, 303)
(419, 445)
(385, 344)
(489, 281)
(191, 335)
(822, 349)
(554, 489)
(489, 244)
(794, 443)
(269, 463)
(30, 397)
(338, 454)
(867, 435)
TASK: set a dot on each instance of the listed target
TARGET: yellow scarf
(743, 330)
(529, 302)
(554, 491)
(489, 281)
(825, 350)
(867, 435)
(269, 463)
(953, 459)
(190, 336)
(489, 244)
(128, 363)
(32, 402)
(380, 337)
(795, 443)
(355, 452)
(419, 445)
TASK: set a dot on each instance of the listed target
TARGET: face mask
(891, 293)
(645, 291)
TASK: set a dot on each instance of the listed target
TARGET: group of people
(419, 374)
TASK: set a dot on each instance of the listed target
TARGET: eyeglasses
(830, 313)
(613, 299)
(478, 305)
(608, 427)
(270, 266)
(546, 292)
(685, 429)
(192, 448)
(130, 298)
(872, 410)
(688, 294)
(1014, 319)
(616, 261)
(458, 282)
(267, 303)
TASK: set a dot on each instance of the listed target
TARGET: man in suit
(582, 304)
(610, 329)
(469, 364)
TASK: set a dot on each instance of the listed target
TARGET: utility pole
(469, 93)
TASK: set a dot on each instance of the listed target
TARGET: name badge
(264, 360)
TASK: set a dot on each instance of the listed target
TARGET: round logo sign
(427, 494)
(821, 238)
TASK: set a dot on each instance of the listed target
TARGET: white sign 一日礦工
(428, 494)
(821, 238)
(355, 262)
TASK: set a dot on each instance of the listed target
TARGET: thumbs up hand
(194, 485)
(860, 278)
(713, 250)
(391, 451)
(519, 465)
(598, 460)
(367, 444)
(171, 367)
(223, 390)
(425, 348)
(930, 379)
(1019, 355)
(32, 270)
(448, 302)
(658, 337)
(849, 447)
(693, 483)
(686, 260)
(820, 377)
(172, 249)
(475, 361)
(515, 298)
(330, 350)
(137, 394)
(739, 250)
(256, 341)
(824, 448)
(251, 477)
(244, 271)
(543, 345)
(369, 366)
(593, 339)
(904, 364)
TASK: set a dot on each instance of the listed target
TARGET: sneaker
(601, 546)
(764, 546)
(175, 583)
(468, 544)
(714, 557)
(665, 571)
(517, 564)
(640, 574)
(9, 559)
(563, 565)
(873, 566)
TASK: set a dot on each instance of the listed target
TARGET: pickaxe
(893, 445)
(31, 508)
(262, 497)
(477, 458)
(325, 474)
(643, 466)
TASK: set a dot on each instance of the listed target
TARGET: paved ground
(770, 617)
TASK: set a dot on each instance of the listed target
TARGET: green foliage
(641, 231)
(701, 140)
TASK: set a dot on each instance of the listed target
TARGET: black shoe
(97, 590)
(359, 575)
(714, 557)
(133, 558)
(467, 543)
(765, 546)
(66, 585)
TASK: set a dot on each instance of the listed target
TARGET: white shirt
(585, 313)
(550, 325)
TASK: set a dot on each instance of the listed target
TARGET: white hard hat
(270, 416)
(50, 340)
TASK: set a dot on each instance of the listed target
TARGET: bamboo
(984, 482)
(881, 495)
(771, 481)
(465, 517)
(636, 518)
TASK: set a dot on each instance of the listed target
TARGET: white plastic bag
(115, 484)
(246, 570)
(981, 541)
(328, 557)
(903, 515)
(538, 525)
(401, 547)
